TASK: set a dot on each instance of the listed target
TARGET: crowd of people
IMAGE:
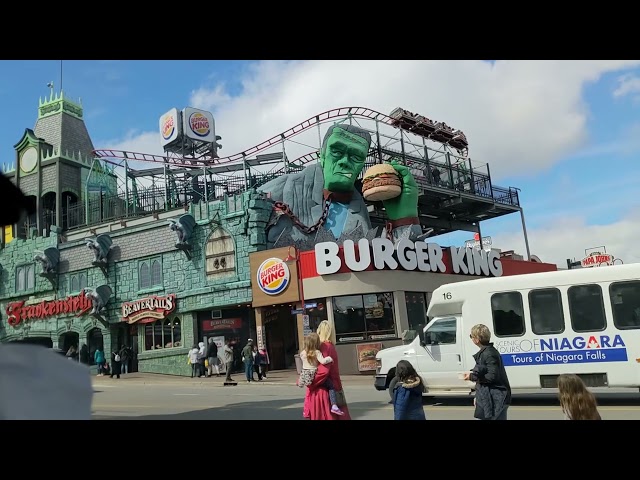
(325, 399)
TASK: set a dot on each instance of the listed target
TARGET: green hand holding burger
(393, 184)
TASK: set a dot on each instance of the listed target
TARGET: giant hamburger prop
(381, 182)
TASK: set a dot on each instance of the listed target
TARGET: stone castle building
(49, 273)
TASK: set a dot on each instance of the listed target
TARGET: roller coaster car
(403, 118)
(459, 140)
(425, 128)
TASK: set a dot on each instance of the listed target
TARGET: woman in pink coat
(316, 401)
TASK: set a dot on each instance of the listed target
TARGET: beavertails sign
(18, 312)
(148, 308)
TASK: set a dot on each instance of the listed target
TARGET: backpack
(117, 358)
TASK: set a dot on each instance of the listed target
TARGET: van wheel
(392, 385)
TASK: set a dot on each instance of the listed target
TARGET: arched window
(156, 273)
(177, 332)
(221, 257)
(144, 278)
(78, 282)
(163, 334)
(149, 273)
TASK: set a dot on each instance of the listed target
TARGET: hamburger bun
(381, 182)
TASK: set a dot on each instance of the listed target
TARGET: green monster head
(342, 156)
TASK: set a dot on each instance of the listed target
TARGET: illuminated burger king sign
(273, 276)
(199, 124)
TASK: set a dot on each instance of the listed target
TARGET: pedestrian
(193, 361)
(493, 392)
(202, 356)
(115, 363)
(247, 358)
(228, 359)
(407, 393)
(264, 361)
(125, 357)
(212, 358)
(98, 358)
(576, 401)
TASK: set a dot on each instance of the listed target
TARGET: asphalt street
(207, 399)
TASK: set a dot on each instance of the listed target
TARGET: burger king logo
(273, 276)
(199, 124)
(168, 126)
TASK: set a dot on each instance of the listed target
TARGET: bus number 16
(447, 296)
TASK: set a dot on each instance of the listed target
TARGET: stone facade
(242, 218)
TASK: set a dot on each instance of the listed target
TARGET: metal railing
(432, 175)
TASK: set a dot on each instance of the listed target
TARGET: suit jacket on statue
(303, 192)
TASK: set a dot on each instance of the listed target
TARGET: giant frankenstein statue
(321, 203)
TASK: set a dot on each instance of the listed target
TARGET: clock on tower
(29, 159)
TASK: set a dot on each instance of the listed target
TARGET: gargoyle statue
(44, 262)
(183, 228)
(100, 246)
(99, 298)
(48, 260)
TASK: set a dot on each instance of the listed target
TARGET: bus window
(443, 332)
(508, 314)
(625, 303)
(545, 308)
(586, 308)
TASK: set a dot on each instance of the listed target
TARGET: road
(182, 399)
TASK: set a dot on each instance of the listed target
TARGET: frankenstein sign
(18, 312)
(150, 307)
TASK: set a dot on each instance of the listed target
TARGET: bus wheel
(392, 385)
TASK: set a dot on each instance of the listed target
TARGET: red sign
(509, 266)
(221, 324)
(18, 312)
(153, 307)
(596, 260)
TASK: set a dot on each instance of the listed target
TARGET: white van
(584, 321)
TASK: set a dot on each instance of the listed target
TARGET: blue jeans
(124, 367)
(248, 370)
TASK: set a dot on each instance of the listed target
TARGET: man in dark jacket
(493, 392)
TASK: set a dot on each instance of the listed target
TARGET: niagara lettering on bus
(558, 350)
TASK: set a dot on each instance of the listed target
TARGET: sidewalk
(275, 377)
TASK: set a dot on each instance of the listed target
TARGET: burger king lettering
(168, 126)
(407, 255)
(273, 276)
(199, 124)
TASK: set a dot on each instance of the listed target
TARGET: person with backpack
(116, 363)
(212, 357)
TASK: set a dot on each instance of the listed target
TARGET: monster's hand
(405, 205)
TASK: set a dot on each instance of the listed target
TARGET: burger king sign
(170, 126)
(273, 276)
(199, 125)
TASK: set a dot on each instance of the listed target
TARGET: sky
(566, 133)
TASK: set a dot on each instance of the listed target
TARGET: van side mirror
(421, 335)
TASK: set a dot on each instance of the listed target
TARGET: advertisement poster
(366, 353)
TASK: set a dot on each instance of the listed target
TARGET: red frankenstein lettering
(18, 312)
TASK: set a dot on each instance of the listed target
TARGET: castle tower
(53, 163)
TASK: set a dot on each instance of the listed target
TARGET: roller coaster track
(355, 112)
